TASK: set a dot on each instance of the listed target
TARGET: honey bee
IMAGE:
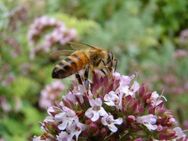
(81, 56)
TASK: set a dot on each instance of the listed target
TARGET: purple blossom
(112, 99)
(113, 107)
(96, 109)
(156, 100)
(75, 129)
(59, 34)
(66, 117)
(108, 120)
(149, 121)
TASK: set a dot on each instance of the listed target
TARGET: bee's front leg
(105, 68)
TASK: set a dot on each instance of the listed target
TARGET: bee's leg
(78, 77)
(102, 69)
(115, 64)
(86, 77)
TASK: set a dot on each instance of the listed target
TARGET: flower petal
(118, 121)
(102, 112)
(63, 125)
(95, 116)
(112, 128)
(60, 116)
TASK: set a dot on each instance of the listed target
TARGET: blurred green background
(149, 38)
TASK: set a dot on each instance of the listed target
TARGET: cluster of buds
(110, 108)
(59, 34)
(51, 94)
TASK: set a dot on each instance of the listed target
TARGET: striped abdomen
(70, 65)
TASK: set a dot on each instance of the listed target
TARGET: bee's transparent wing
(68, 49)
(78, 46)
(60, 53)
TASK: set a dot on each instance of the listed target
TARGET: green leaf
(82, 26)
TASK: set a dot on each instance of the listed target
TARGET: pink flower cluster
(51, 94)
(4, 105)
(59, 34)
(184, 37)
(110, 108)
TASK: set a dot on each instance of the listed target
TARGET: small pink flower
(67, 117)
(156, 99)
(71, 98)
(124, 80)
(75, 129)
(149, 121)
(124, 85)
(79, 92)
(108, 120)
(96, 109)
(179, 133)
(111, 99)
(127, 90)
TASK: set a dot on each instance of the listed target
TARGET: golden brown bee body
(86, 56)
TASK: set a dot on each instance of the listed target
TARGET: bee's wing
(60, 53)
(68, 49)
(78, 46)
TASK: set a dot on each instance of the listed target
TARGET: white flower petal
(151, 127)
(118, 121)
(89, 113)
(60, 116)
(148, 120)
(103, 121)
(50, 110)
(135, 87)
(95, 116)
(110, 103)
(102, 112)
(112, 128)
(63, 125)
(125, 81)
(98, 102)
(111, 99)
